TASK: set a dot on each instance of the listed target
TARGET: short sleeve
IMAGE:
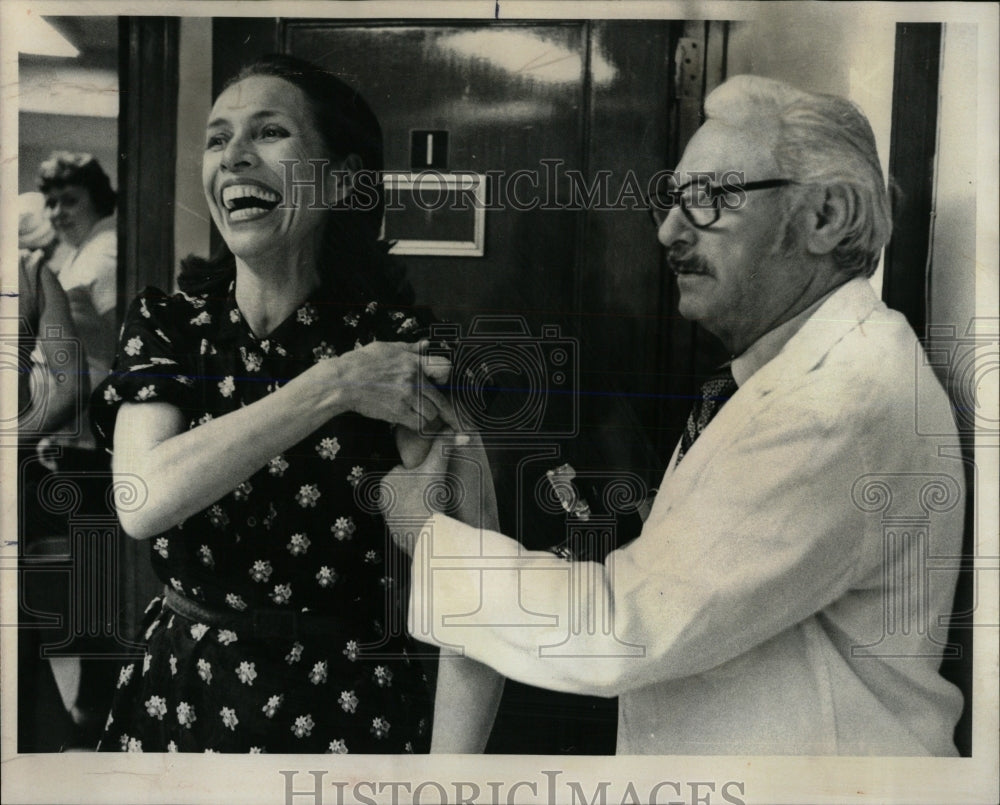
(152, 363)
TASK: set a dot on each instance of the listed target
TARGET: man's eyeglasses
(702, 203)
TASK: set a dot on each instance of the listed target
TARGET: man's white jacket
(790, 588)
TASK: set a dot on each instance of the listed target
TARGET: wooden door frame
(147, 148)
(147, 140)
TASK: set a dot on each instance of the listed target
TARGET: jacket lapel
(848, 307)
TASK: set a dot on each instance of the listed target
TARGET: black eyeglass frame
(665, 202)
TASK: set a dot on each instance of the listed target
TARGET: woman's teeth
(245, 201)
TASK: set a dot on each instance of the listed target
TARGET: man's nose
(675, 229)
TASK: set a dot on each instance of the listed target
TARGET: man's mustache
(683, 261)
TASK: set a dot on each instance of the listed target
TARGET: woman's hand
(413, 447)
(408, 495)
(393, 381)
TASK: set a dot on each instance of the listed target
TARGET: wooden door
(587, 108)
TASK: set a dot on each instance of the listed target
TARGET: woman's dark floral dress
(290, 537)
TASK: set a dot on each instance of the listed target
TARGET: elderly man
(769, 606)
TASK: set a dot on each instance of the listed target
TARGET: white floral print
(205, 554)
(229, 718)
(125, 674)
(328, 448)
(272, 705)
(261, 570)
(303, 726)
(306, 314)
(217, 516)
(247, 672)
(326, 576)
(185, 715)
(307, 496)
(156, 706)
(298, 544)
(251, 360)
(380, 727)
(343, 528)
(407, 325)
(260, 542)
(348, 701)
(227, 637)
(152, 628)
(323, 352)
(318, 674)
(295, 654)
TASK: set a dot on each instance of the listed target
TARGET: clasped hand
(394, 381)
(409, 495)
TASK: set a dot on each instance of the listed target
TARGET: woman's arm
(57, 384)
(468, 692)
(186, 470)
(468, 695)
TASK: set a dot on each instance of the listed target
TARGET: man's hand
(409, 495)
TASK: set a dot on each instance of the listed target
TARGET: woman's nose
(238, 153)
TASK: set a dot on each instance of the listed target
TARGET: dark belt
(263, 623)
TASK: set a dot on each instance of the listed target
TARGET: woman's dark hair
(64, 168)
(350, 249)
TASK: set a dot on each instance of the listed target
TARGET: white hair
(820, 140)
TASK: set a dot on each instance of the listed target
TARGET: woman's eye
(214, 142)
(273, 132)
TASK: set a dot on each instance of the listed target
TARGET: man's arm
(768, 538)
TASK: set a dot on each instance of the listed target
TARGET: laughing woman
(249, 407)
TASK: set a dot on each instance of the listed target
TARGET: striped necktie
(714, 393)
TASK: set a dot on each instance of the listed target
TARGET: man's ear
(342, 179)
(829, 215)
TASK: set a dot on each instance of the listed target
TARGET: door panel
(507, 95)
(596, 97)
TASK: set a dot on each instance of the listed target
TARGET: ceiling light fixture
(38, 37)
